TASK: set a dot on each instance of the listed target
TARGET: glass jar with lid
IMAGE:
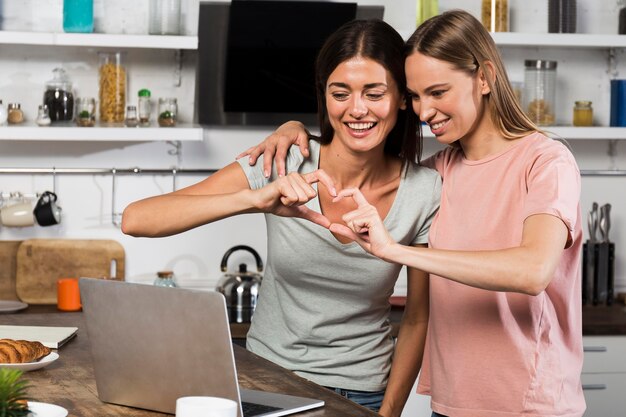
(131, 117)
(168, 111)
(15, 114)
(59, 97)
(112, 87)
(165, 279)
(85, 111)
(583, 113)
(539, 91)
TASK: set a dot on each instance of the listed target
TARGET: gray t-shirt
(323, 308)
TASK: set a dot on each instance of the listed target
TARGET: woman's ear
(487, 70)
(403, 103)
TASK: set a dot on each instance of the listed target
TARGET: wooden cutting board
(8, 266)
(41, 262)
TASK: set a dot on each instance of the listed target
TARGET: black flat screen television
(256, 58)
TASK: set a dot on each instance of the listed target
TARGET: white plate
(9, 306)
(31, 366)
(45, 410)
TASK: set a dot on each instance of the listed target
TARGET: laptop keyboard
(253, 409)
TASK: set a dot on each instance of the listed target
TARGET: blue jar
(78, 16)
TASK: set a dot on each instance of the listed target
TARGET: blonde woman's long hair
(459, 38)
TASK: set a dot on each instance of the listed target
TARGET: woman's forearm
(170, 214)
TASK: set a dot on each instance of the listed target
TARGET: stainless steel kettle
(241, 288)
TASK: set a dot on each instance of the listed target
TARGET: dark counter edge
(597, 320)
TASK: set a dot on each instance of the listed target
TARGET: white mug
(206, 407)
(17, 215)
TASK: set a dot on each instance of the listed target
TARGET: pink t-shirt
(492, 353)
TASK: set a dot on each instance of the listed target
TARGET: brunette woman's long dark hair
(378, 41)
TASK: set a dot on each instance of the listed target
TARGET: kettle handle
(259, 262)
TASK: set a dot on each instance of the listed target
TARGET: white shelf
(560, 40)
(99, 40)
(30, 131)
(570, 132)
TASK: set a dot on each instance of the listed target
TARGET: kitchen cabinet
(604, 375)
(17, 46)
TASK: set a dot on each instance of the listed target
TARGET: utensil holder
(598, 273)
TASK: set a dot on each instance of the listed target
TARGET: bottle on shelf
(164, 17)
(621, 28)
(144, 107)
(78, 16)
(165, 279)
(43, 118)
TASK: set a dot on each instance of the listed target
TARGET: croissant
(21, 351)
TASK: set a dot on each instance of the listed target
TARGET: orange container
(68, 294)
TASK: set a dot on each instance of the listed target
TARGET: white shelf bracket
(178, 69)
(176, 151)
(612, 64)
(612, 153)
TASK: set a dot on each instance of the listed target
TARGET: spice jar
(43, 117)
(112, 93)
(144, 107)
(131, 117)
(168, 111)
(86, 111)
(15, 114)
(583, 113)
(58, 97)
(539, 91)
(495, 15)
(165, 279)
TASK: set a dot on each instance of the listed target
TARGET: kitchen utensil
(241, 288)
(8, 262)
(18, 214)
(607, 253)
(605, 222)
(47, 212)
(592, 222)
(41, 262)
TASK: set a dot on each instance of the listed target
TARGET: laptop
(151, 345)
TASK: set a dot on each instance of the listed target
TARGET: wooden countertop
(69, 382)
